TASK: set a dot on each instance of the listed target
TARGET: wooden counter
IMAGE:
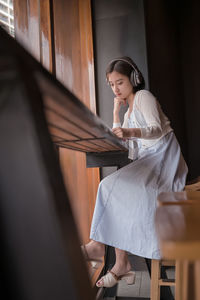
(178, 229)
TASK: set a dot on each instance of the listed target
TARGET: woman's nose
(116, 89)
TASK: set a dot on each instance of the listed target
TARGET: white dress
(127, 199)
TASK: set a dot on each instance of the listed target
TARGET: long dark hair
(123, 65)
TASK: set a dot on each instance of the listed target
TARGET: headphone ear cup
(137, 78)
(132, 79)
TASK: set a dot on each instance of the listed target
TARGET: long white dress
(127, 199)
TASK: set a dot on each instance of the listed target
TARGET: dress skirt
(127, 199)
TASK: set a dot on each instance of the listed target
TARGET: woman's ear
(107, 79)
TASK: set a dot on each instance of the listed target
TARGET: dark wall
(190, 55)
(164, 62)
(173, 49)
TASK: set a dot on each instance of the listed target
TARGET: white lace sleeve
(115, 125)
(148, 106)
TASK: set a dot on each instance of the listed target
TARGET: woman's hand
(118, 102)
(122, 133)
(125, 133)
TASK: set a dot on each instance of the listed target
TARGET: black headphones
(135, 77)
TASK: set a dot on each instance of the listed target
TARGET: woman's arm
(148, 106)
(118, 102)
(127, 132)
(117, 129)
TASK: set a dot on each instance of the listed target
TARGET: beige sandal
(111, 279)
(95, 263)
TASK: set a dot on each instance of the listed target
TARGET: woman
(126, 200)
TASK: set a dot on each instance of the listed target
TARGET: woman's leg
(121, 267)
(95, 250)
(122, 264)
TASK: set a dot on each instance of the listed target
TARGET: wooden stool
(178, 232)
(156, 280)
(191, 195)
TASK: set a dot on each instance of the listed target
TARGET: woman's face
(120, 84)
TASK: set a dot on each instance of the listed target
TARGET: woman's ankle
(95, 249)
(121, 267)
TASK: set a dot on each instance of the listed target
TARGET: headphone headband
(135, 76)
(126, 61)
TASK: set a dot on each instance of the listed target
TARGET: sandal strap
(114, 275)
(108, 280)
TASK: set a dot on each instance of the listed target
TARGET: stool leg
(181, 280)
(155, 276)
(178, 279)
(197, 280)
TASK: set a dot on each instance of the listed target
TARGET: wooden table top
(71, 124)
(178, 229)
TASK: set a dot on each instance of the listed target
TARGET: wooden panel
(93, 178)
(27, 25)
(46, 36)
(75, 69)
(59, 35)
(33, 29)
(82, 195)
(87, 56)
(74, 53)
(64, 34)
